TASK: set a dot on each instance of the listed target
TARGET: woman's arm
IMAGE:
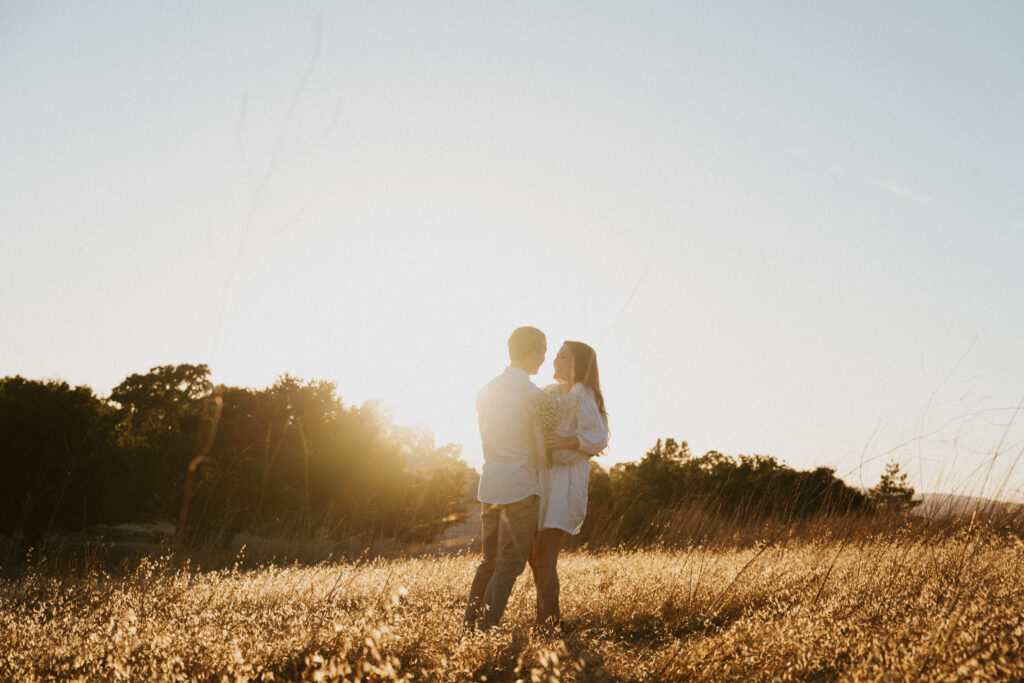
(565, 450)
(563, 443)
(591, 435)
(591, 426)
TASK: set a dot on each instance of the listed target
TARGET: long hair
(584, 364)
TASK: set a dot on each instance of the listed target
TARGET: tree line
(168, 445)
(671, 496)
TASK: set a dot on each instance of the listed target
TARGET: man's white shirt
(511, 444)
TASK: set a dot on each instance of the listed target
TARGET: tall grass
(837, 599)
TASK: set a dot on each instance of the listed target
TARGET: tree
(156, 401)
(893, 493)
(643, 500)
(293, 458)
(161, 422)
(53, 442)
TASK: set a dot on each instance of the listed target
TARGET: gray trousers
(507, 534)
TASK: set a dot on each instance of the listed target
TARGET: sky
(788, 228)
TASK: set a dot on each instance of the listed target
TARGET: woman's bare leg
(544, 562)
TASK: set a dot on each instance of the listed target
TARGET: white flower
(549, 407)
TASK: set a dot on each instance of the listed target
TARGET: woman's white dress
(563, 498)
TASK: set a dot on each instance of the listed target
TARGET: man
(509, 490)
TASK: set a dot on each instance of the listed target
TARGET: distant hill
(948, 504)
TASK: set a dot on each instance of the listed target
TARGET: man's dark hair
(525, 340)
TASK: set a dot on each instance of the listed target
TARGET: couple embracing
(533, 488)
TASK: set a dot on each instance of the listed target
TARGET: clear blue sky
(789, 228)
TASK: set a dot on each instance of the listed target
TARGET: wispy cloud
(887, 185)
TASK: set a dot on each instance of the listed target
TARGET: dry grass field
(898, 605)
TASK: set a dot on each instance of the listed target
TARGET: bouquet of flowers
(548, 408)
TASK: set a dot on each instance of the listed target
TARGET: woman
(582, 433)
